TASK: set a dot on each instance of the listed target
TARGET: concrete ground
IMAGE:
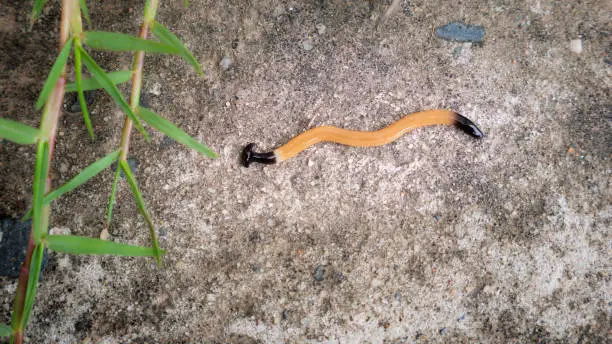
(434, 238)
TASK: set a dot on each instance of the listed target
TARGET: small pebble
(163, 231)
(156, 89)
(319, 273)
(132, 162)
(71, 101)
(226, 63)
(144, 99)
(166, 142)
(443, 331)
(461, 32)
(307, 44)
(60, 231)
(321, 29)
(437, 217)
(576, 46)
(104, 234)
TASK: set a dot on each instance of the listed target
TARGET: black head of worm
(468, 126)
(249, 156)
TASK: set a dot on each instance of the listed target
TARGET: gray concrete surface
(434, 238)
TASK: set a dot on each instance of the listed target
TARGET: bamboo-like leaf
(141, 206)
(40, 180)
(38, 7)
(54, 74)
(112, 90)
(37, 257)
(82, 245)
(173, 131)
(81, 96)
(111, 200)
(5, 330)
(115, 41)
(18, 132)
(85, 11)
(169, 38)
(89, 84)
(85, 175)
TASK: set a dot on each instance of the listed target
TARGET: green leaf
(85, 12)
(18, 132)
(89, 84)
(173, 131)
(169, 38)
(111, 200)
(186, 3)
(40, 181)
(112, 90)
(85, 175)
(141, 206)
(38, 7)
(115, 41)
(82, 245)
(54, 74)
(81, 96)
(37, 257)
(5, 330)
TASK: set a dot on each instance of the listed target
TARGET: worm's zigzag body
(355, 138)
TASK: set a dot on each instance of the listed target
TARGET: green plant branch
(50, 100)
(76, 25)
(48, 130)
(128, 124)
(137, 67)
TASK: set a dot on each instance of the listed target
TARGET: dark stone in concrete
(14, 236)
(461, 32)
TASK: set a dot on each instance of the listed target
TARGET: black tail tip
(468, 126)
(249, 155)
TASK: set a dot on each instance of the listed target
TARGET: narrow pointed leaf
(35, 264)
(82, 245)
(186, 3)
(18, 132)
(141, 206)
(169, 38)
(111, 200)
(85, 11)
(85, 175)
(5, 330)
(112, 90)
(27, 215)
(80, 94)
(173, 131)
(115, 41)
(89, 84)
(40, 180)
(38, 7)
(81, 178)
(54, 74)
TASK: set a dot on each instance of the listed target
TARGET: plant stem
(137, 66)
(48, 129)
